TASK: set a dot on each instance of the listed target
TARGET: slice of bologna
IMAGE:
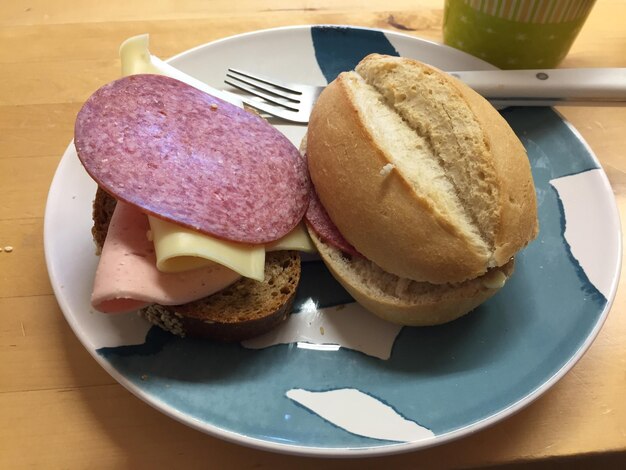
(318, 219)
(187, 157)
(127, 278)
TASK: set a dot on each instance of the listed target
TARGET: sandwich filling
(127, 277)
(215, 187)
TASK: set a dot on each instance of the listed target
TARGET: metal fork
(549, 87)
(289, 101)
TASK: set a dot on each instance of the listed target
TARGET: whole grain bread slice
(245, 309)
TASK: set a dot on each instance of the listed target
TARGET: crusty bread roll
(426, 180)
(419, 172)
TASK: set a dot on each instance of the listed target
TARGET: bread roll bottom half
(425, 179)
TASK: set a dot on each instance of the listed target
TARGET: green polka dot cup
(515, 34)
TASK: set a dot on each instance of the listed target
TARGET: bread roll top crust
(435, 111)
(419, 173)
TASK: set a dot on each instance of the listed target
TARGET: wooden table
(59, 409)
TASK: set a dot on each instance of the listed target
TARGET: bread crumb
(213, 106)
(8, 249)
(387, 169)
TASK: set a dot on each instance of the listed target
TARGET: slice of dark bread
(245, 309)
(103, 207)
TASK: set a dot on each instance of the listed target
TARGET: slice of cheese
(179, 249)
(298, 239)
(136, 58)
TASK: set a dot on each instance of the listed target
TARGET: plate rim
(316, 451)
(430, 42)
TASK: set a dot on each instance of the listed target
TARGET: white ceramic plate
(335, 380)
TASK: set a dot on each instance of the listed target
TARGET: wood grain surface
(60, 409)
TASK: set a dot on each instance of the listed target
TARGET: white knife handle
(549, 87)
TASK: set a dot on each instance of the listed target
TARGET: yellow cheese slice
(179, 249)
(136, 58)
(298, 239)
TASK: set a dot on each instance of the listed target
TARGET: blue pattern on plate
(338, 48)
(444, 377)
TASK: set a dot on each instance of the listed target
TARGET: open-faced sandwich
(193, 192)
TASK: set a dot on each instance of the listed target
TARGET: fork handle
(549, 87)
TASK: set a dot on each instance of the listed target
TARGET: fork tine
(256, 92)
(264, 88)
(272, 110)
(267, 80)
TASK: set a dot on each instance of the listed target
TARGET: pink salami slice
(318, 220)
(190, 158)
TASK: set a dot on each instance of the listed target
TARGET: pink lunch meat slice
(187, 157)
(127, 278)
(318, 219)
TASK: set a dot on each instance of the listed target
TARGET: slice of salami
(318, 219)
(185, 156)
